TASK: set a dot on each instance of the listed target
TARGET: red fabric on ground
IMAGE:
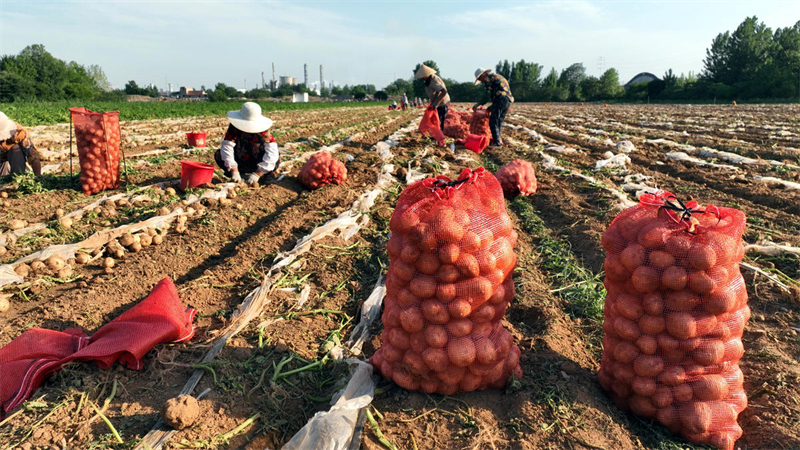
(37, 353)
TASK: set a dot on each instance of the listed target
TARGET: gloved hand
(236, 177)
(253, 178)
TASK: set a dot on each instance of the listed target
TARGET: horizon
(145, 40)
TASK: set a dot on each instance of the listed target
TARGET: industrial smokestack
(305, 74)
(274, 82)
(321, 78)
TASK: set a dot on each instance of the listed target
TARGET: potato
(678, 245)
(642, 406)
(672, 375)
(157, 239)
(412, 361)
(645, 279)
(483, 313)
(435, 336)
(614, 268)
(398, 338)
(145, 240)
(403, 271)
(625, 352)
(82, 258)
(108, 263)
(126, 240)
(411, 319)
(701, 282)
(137, 246)
(64, 272)
(468, 265)
(485, 351)
(38, 266)
(648, 365)
(405, 380)
(163, 211)
(647, 345)
(709, 387)
(16, 224)
(734, 350)
(684, 300)
(682, 392)
(668, 416)
(428, 263)
(626, 329)
(702, 257)
(653, 236)
(459, 309)
(696, 417)
(662, 397)
(674, 278)
(633, 256)
(681, 325)
(445, 292)
(435, 312)
(653, 304)
(451, 374)
(459, 327)
(710, 351)
(448, 273)
(461, 351)
(65, 222)
(612, 240)
(652, 325)
(470, 242)
(629, 307)
(429, 386)
(720, 301)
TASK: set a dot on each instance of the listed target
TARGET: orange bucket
(476, 142)
(196, 139)
(194, 174)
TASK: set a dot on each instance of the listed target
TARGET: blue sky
(196, 43)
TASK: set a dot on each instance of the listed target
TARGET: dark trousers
(16, 161)
(442, 110)
(498, 110)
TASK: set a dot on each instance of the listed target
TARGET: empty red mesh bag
(430, 125)
(320, 170)
(480, 124)
(517, 178)
(97, 138)
(674, 315)
(449, 283)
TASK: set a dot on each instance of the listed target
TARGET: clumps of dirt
(180, 412)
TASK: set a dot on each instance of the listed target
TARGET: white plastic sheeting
(683, 157)
(625, 146)
(340, 427)
(370, 311)
(614, 161)
(789, 185)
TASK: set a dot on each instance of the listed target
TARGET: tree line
(750, 63)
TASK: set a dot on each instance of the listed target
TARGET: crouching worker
(248, 152)
(16, 149)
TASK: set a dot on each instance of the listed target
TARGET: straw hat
(7, 127)
(424, 72)
(480, 72)
(249, 119)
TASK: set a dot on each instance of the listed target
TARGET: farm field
(277, 372)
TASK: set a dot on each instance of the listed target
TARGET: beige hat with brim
(480, 72)
(7, 127)
(424, 72)
(249, 119)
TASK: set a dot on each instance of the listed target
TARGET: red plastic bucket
(476, 142)
(196, 139)
(194, 173)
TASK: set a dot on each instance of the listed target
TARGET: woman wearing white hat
(247, 147)
(500, 94)
(436, 90)
(16, 149)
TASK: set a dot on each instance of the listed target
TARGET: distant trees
(131, 88)
(34, 74)
(753, 62)
(381, 96)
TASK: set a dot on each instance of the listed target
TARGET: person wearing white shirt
(248, 152)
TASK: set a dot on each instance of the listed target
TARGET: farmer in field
(436, 90)
(500, 95)
(248, 151)
(404, 102)
(16, 149)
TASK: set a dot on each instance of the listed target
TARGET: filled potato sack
(97, 136)
(517, 178)
(451, 257)
(674, 316)
(322, 169)
(454, 127)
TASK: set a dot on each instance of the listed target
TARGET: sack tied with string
(322, 169)
(449, 283)
(97, 137)
(480, 123)
(674, 316)
(517, 178)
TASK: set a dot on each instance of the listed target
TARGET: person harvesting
(436, 90)
(500, 95)
(247, 147)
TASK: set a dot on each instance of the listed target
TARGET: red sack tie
(674, 316)
(430, 125)
(37, 353)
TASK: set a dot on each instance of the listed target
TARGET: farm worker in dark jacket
(248, 150)
(501, 97)
(16, 149)
(436, 90)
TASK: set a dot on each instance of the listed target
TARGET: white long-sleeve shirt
(266, 165)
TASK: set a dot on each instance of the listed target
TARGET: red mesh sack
(320, 170)
(449, 284)
(517, 178)
(430, 125)
(674, 315)
(480, 124)
(454, 127)
(97, 139)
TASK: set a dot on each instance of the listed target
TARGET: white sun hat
(480, 71)
(7, 127)
(249, 119)
(424, 72)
